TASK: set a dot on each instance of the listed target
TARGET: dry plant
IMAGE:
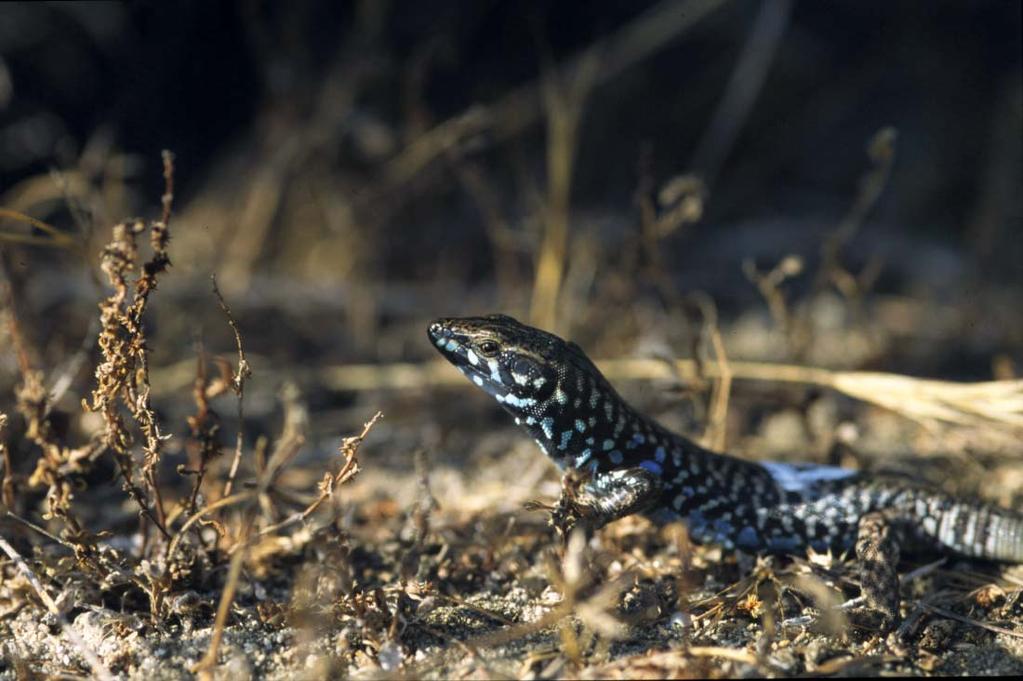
(122, 379)
(245, 536)
(122, 396)
(716, 432)
(57, 466)
(7, 484)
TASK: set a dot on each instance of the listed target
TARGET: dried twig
(7, 486)
(13, 328)
(769, 285)
(204, 426)
(200, 514)
(941, 612)
(349, 469)
(237, 385)
(881, 150)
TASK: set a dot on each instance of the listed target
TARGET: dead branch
(237, 385)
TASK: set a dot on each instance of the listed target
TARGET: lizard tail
(979, 531)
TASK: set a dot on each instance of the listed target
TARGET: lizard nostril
(438, 330)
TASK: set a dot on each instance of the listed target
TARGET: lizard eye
(489, 348)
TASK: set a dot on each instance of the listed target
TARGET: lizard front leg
(604, 498)
(877, 550)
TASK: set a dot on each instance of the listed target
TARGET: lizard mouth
(453, 346)
(447, 342)
(457, 349)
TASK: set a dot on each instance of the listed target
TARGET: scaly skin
(635, 465)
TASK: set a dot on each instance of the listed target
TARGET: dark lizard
(634, 465)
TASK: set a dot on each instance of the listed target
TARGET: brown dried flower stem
(237, 385)
(7, 486)
(123, 376)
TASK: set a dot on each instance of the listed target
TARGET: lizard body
(635, 465)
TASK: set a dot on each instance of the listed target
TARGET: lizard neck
(579, 427)
(585, 423)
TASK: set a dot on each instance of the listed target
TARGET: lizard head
(515, 363)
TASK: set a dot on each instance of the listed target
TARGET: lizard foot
(877, 552)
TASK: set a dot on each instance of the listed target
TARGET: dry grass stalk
(716, 432)
(55, 238)
(744, 85)
(564, 105)
(969, 404)
(988, 403)
(204, 668)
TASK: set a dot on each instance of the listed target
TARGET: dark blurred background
(350, 170)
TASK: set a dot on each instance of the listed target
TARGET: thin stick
(564, 106)
(7, 485)
(203, 667)
(36, 528)
(715, 435)
(238, 386)
(743, 87)
(205, 510)
(59, 238)
(97, 666)
(969, 620)
(349, 447)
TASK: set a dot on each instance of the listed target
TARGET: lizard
(631, 464)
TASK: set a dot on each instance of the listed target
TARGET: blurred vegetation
(798, 193)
